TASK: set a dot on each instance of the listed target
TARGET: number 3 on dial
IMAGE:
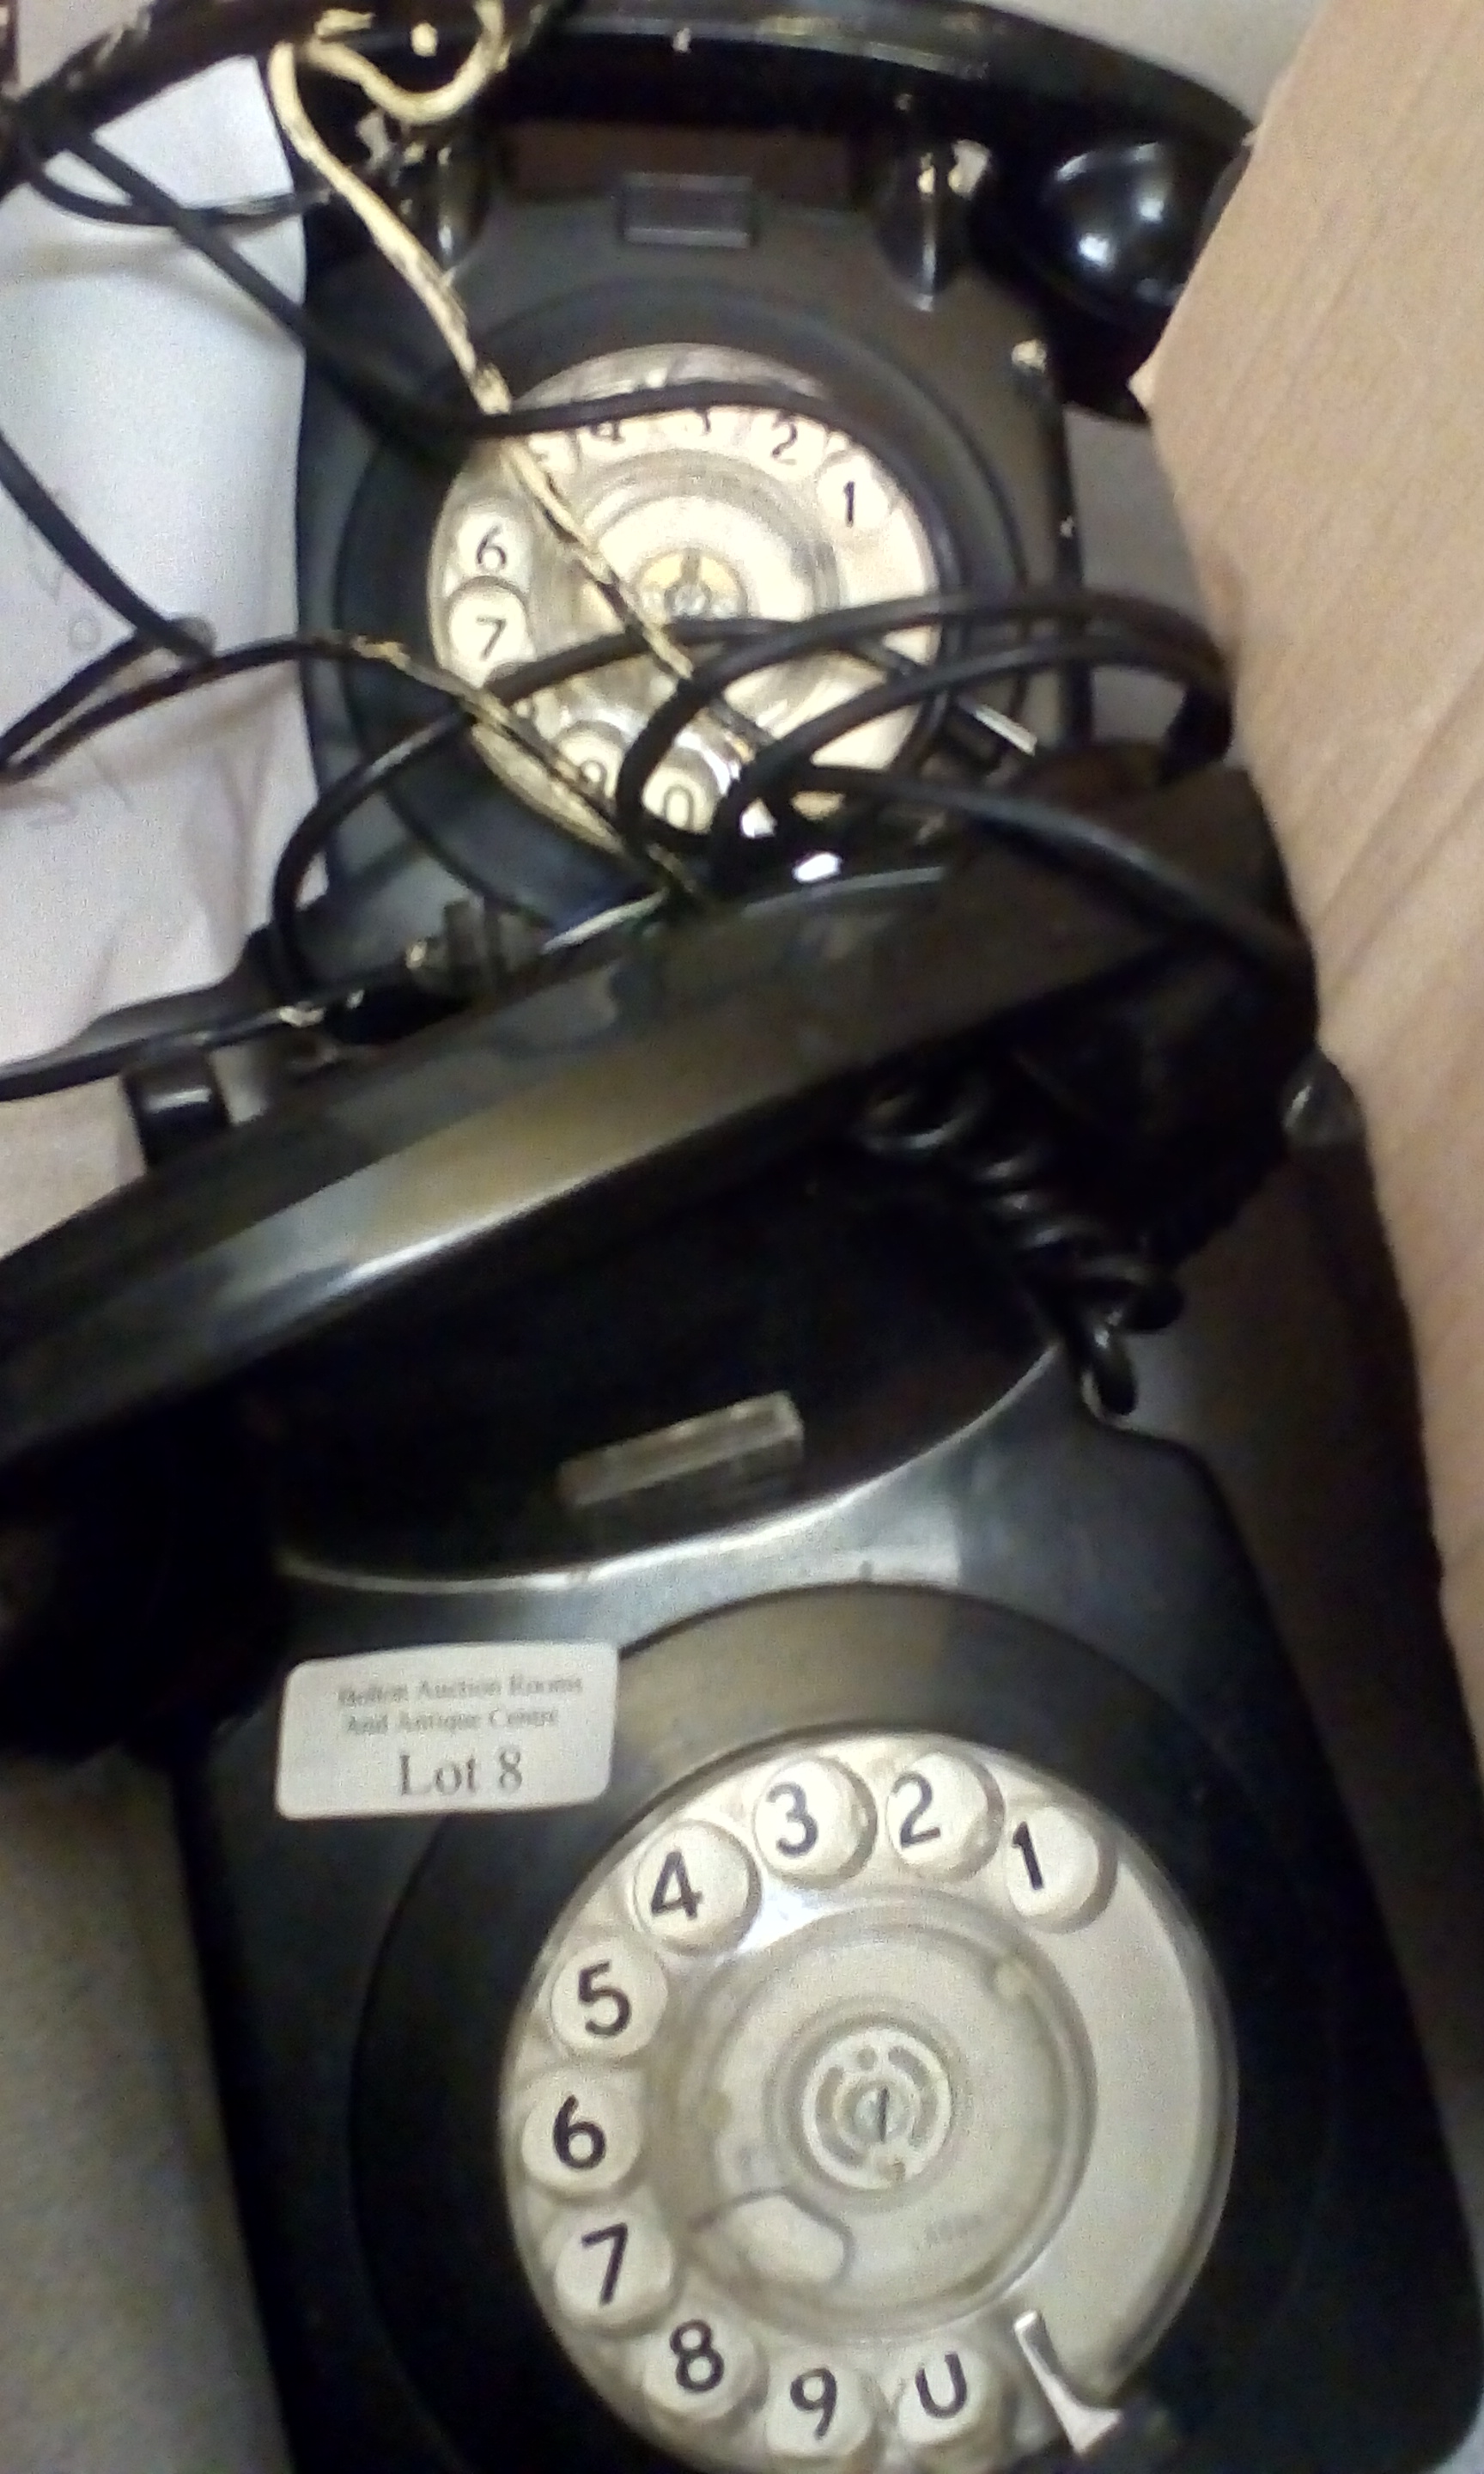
(811, 1821)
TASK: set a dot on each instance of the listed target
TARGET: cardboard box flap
(1318, 406)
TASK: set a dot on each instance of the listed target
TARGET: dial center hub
(691, 583)
(875, 2107)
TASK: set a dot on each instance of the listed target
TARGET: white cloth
(162, 409)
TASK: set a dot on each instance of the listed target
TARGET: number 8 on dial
(700, 2367)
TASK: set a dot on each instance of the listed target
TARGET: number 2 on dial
(915, 1830)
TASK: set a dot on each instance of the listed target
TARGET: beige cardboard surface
(1318, 406)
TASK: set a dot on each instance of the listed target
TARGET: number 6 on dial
(582, 2133)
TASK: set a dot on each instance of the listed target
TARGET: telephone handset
(767, 1893)
(625, 1074)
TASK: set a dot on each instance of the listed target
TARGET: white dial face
(726, 513)
(852, 2057)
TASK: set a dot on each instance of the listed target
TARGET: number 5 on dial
(607, 2000)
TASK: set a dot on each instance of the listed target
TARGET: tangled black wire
(1098, 1286)
(995, 638)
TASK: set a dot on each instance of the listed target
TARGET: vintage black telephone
(767, 1893)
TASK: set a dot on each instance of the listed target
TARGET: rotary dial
(728, 513)
(862, 2084)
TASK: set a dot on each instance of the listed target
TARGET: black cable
(240, 214)
(1098, 1281)
(306, 842)
(375, 393)
(208, 670)
(383, 402)
(67, 1069)
(72, 547)
(1097, 853)
(516, 685)
(756, 642)
(51, 711)
(838, 630)
(770, 770)
(421, 422)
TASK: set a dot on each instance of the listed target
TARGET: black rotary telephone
(768, 1894)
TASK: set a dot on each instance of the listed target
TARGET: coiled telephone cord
(1096, 1282)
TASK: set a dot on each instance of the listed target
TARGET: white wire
(431, 286)
(484, 61)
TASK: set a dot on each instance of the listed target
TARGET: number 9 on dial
(819, 2413)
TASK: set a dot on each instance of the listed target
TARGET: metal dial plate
(854, 2055)
(725, 513)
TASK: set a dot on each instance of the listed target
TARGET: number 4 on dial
(694, 1888)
